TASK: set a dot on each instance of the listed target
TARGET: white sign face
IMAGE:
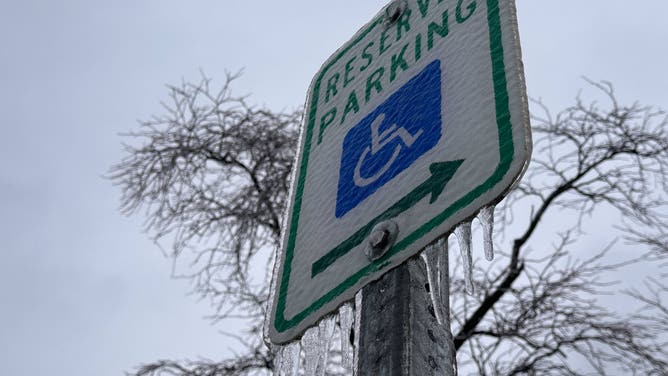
(420, 120)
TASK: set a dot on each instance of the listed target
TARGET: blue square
(390, 139)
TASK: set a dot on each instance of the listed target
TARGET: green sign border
(506, 152)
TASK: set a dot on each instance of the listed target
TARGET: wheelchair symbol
(378, 141)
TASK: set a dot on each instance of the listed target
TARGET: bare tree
(531, 314)
(212, 175)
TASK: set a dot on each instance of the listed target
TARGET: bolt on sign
(410, 128)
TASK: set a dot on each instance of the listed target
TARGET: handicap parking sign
(390, 138)
(410, 127)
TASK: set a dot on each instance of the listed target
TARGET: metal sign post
(411, 127)
(399, 331)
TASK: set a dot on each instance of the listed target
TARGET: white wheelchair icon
(378, 141)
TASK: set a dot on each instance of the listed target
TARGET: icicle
(463, 234)
(444, 292)
(430, 258)
(315, 343)
(444, 279)
(326, 329)
(310, 346)
(278, 359)
(287, 359)
(346, 321)
(357, 329)
(486, 218)
(438, 275)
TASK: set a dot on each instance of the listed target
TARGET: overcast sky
(82, 289)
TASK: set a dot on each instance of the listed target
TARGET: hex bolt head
(378, 239)
(381, 239)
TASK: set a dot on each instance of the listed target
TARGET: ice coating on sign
(463, 234)
(346, 321)
(486, 218)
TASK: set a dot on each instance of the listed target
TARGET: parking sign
(411, 127)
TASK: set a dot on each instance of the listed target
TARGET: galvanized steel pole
(399, 332)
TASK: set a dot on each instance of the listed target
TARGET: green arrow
(441, 173)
